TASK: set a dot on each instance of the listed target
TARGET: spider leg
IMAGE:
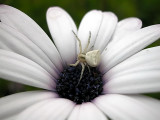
(80, 45)
(75, 64)
(89, 69)
(85, 50)
(83, 67)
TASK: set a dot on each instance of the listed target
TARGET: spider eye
(93, 58)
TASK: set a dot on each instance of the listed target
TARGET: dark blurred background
(147, 10)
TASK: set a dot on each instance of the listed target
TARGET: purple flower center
(89, 87)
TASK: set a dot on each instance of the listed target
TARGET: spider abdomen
(93, 58)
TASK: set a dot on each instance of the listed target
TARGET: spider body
(91, 58)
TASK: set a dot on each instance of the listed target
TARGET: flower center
(89, 87)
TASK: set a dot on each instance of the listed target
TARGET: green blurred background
(147, 10)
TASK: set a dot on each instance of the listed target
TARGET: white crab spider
(91, 58)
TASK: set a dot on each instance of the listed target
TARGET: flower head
(109, 90)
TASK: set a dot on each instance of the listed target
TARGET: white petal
(25, 25)
(86, 111)
(136, 82)
(128, 46)
(14, 104)
(90, 23)
(131, 23)
(17, 42)
(127, 107)
(125, 27)
(138, 74)
(106, 29)
(11, 118)
(61, 26)
(52, 109)
(145, 57)
(75, 113)
(19, 69)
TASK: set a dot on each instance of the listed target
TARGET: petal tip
(137, 20)
(54, 11)
(111, 14)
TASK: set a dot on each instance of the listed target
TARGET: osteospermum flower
(110, 90)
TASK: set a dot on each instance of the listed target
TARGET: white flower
(28, 56)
